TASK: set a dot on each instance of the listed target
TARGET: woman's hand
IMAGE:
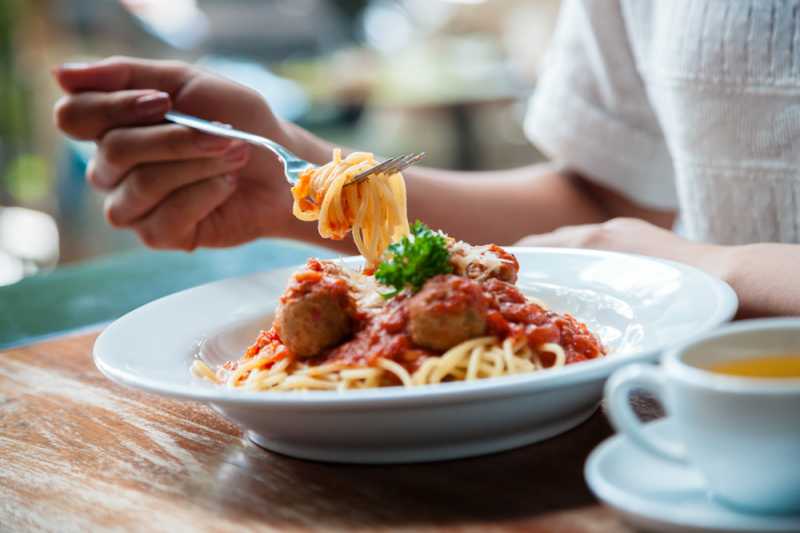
(635, 236)
(175, 187)
(761, 274)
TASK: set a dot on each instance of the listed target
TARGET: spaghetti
(375, 209)
(484, 357)
(435, 310)
(520, 336)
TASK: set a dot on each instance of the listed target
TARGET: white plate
(658, 495)
(637, 305)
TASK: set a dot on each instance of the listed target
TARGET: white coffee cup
(741, 434)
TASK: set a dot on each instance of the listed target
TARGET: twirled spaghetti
(375, 209)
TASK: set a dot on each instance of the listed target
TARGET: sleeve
(591, 111)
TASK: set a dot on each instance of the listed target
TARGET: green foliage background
(24, 177)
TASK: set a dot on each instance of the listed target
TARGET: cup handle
(624, 419)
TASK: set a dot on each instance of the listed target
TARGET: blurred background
(391, 76)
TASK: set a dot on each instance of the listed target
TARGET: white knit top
(693, 104)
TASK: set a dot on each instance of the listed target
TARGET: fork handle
(224, 130)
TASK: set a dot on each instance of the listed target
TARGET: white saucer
(658, 495)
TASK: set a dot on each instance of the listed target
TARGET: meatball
(447, 311)
(483, 262)
(315, 313)
(508, 268)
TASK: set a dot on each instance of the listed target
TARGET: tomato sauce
(505, 257)
(383, 333)
(315, 278)
(454, 294)
(512, 315)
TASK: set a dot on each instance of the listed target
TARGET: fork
(292, 165)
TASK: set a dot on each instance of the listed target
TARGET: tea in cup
(734, 398)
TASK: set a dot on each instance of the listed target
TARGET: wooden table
(79, 453)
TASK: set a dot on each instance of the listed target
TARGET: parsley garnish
(414, 259)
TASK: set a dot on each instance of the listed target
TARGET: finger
(146, 186)
(119, 72)
(122, 149)
(173, 224)
(582, 236)
(90, 115)
(552, 239)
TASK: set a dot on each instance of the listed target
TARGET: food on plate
(426, 309)
(374, 209)
(317, 310)
(434, 310)
(447, 311)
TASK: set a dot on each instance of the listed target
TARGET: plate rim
(444, 392)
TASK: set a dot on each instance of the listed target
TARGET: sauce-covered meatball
(483, 262)
(447, 311)
(316, 312)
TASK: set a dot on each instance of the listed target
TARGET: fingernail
(238, 151)
(231, 179)
(213, 143)
(152, 104)
(73, 65)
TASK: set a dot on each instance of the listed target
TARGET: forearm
(761, 274)
(499, 206)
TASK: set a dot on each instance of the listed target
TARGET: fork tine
(408, 162)
(388, 170)
(390, 166)
(404, 162)
(380, 167)
(410, 159)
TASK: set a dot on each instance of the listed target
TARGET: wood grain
(79, 453)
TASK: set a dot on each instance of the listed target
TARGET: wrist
(714, 259)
